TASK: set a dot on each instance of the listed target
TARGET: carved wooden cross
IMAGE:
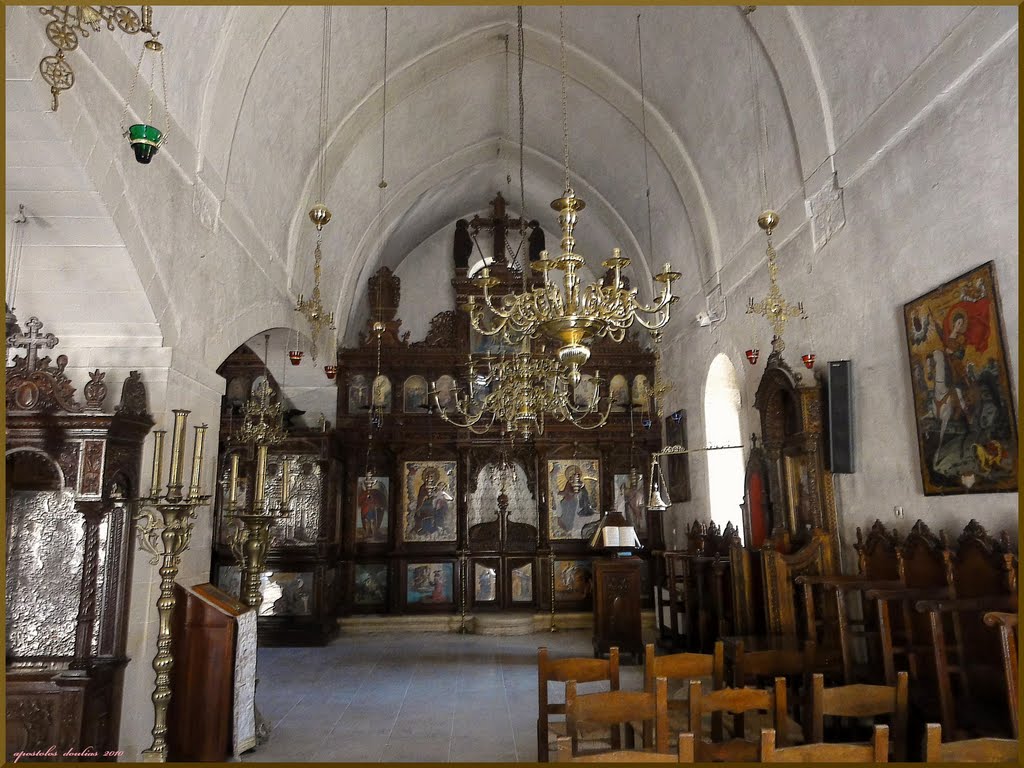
(32, 341)
(499, 224)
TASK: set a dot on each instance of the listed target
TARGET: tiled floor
(422, 698)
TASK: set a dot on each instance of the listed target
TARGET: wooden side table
(617, 592)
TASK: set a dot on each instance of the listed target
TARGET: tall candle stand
(164, 530)
(251, 539)
(250, 542)
(463, 580)
(551, 569)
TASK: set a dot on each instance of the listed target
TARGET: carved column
(93, 512)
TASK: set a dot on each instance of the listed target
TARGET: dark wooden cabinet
(617, 590)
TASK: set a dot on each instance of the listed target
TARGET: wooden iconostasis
(398, 512)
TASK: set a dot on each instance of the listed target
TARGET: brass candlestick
(164, 531)
(250, 541)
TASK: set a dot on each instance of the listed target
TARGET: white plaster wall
(426, 275)
(936, 196)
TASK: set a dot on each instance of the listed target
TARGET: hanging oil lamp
(144, 137)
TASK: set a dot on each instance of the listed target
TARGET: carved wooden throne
(70, 471)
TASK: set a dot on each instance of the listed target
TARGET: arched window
(722, 427)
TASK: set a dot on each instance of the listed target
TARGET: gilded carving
(442, 332)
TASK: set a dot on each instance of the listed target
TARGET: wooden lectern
(212, 710)
(617, 593)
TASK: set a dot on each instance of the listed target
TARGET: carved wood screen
(70, 470)
(507, 552)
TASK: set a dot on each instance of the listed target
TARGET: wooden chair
(969, 751)
(683, 667)
(614, 709)
(579, 669)
(860, 700)
(684, 754)
(877, 751)
(1007, 623)
(736, 701)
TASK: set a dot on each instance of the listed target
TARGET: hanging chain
(325, 75)
(523, 218)
(152, 79)
(384, 109)
(643, 123)
(167, 107)
(565, 114)
(131, 92)
(377, 325)
(521, 51)
(504, 102)
(762, 145)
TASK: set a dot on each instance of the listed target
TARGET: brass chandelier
(573, 315)
(520, 394)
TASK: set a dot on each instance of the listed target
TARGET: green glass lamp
(144, 137)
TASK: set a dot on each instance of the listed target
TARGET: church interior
(511, 384)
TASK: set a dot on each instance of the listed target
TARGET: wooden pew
(904, 633)
(982, 576)
(1007, 624)
(877, 568)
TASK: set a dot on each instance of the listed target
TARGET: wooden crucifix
(32, 341)
(499, 224)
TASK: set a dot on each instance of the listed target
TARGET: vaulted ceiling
(243, 85)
